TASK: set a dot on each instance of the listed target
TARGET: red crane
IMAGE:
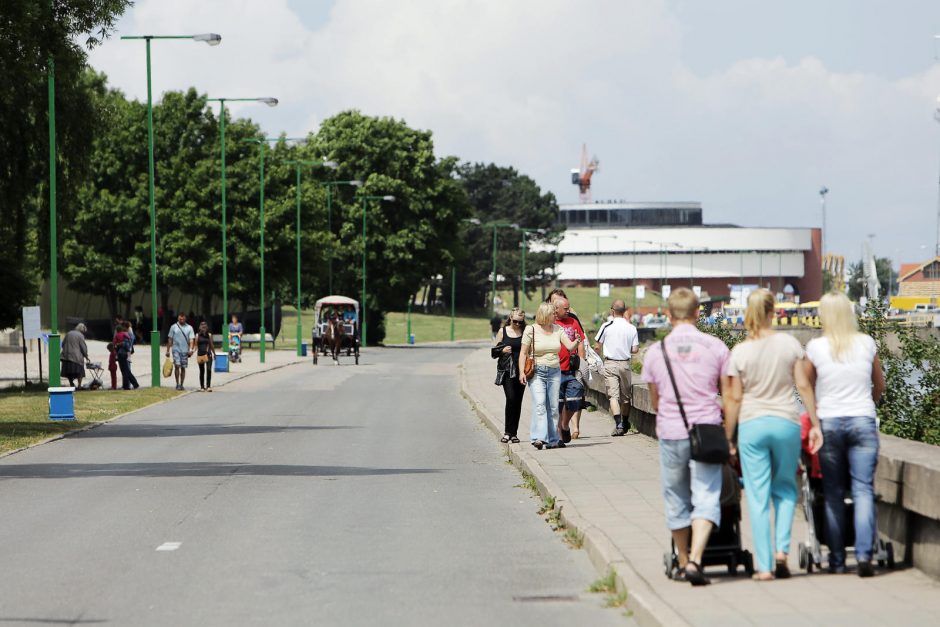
(582, 177)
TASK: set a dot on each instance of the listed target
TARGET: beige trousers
(618, 378)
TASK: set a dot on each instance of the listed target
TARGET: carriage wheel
(357, 354)
(316, 350)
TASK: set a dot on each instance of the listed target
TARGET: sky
(747, 106)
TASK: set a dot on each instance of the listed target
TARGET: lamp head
(271, 102)
(330, 164)
(389, 198)
(356, 183)
(473, 221)
(210, 38)
(823, 191)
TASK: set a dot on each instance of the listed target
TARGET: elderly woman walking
(684, 372)
(507, 349)
(846, 373)
(763, 370)
(543, 340)
(74, 355)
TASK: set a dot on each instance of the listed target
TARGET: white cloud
(524, 83)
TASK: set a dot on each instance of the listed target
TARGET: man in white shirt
(619, 340)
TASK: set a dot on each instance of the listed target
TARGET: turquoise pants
(769, 448)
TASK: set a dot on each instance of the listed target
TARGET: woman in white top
(846, 372)
(543, 339)
(763, 370)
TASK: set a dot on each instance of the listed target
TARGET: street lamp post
(261, 144)
(822, 204)
(298, 164)
(54, 348)
(271, 102)
(213, 40)
(329, 185)
(365, 202)
(524, 249)
(453, 292)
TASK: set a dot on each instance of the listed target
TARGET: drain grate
(545, 598)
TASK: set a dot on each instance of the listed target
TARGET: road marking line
(169, 546)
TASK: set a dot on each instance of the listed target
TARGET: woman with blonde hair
(763, 370)
(846, 373)
(544, 339)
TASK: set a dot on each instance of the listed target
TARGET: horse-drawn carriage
(336, 327)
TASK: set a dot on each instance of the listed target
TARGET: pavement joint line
(646, 606)
(67, 434)
(169, 546)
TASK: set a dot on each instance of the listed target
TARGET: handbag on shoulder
(529, 369)
(707, 443)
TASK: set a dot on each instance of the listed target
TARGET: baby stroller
(724, 545)
(810, 552)
(235, 349)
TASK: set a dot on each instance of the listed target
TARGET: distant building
(667, 243)
(918, 283)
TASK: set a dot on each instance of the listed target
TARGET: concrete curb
(67, 434)
(647, 607)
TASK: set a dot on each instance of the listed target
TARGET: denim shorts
(180, 358)
(691, 489)
(571, 392)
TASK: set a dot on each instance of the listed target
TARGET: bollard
(62, 403)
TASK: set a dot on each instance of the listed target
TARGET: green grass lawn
(24, 414)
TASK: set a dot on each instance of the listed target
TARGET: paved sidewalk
(608, 488)
(11, 366)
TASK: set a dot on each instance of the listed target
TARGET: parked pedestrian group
(543, 341)
(846, 374)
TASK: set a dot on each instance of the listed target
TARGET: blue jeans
(769, 448)
(691, 489)
(544, 387)
(850, 453)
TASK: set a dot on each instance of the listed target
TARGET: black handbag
(707, 443)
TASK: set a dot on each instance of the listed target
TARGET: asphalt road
(310, 495)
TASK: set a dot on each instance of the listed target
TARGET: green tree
(105, 248)
(410, 239)
(31, 32)
(502, 194)
(887, 278)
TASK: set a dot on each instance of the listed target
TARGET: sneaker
(865, 569)
(618, 432)
(538, 444)
(559, 445)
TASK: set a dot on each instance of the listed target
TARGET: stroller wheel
(669, 563)
(803, 556)
(889, 548)
(748, 563)
(733, 566)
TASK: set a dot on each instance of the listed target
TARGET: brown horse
(333, 336)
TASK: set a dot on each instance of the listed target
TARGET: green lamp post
(365, 201)
(496, 226)
(525, 247)
(261, 144)
(298, 164)
(54, 347)
(329, 185)
(213, 40)
(271, 102)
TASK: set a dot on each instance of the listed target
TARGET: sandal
(575, 434)
(514, 440)
(504, 439)
(695, 577)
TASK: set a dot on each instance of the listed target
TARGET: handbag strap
(675, 388)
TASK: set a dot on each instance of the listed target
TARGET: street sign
(605, 290)
(640, 292)
(667, 290)
(31, 324)
(698, 290)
